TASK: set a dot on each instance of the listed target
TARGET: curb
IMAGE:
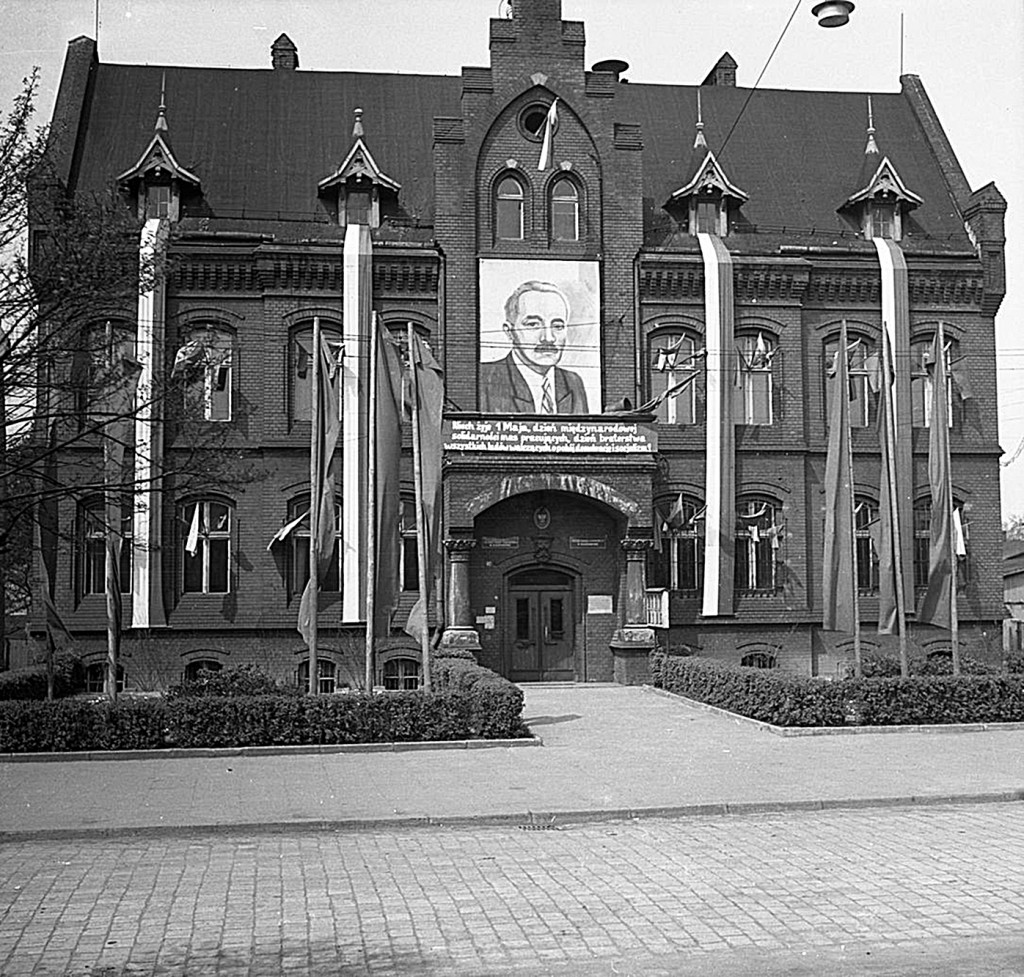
(174, 753)
(527, 820)
(835, 730)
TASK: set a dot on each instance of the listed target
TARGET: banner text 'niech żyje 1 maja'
(549, 436)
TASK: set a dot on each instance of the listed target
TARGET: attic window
(881, 219)
(159, 201)
(706, 214)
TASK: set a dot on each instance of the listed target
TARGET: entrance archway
(540, 628)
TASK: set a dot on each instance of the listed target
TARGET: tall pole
(858, 662)
(954, 615)
(421, 536)
(897, 544)
(315, 488)
(112, 519)
(371, 504)
(4, 350)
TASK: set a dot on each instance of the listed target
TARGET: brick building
(680, 233)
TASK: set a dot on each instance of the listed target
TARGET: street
(891, 890)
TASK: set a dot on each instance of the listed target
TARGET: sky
(970, 58)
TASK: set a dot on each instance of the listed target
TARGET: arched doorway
(541, 636)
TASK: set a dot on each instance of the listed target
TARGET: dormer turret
(882, 198)
(356, 190)
(708, 196)
(157, 181)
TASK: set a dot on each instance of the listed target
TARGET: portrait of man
(550, 353)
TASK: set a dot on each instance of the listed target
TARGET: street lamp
(833, 13)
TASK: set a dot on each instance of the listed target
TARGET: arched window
(865, 521)
(862, 361)
(758, 534)
(756, 355)
(922, 541)
(921, 381)
(327, 672)
(759, 659)
(206, 547)
(209, 379)
(509, 208)
(92, 547)
(96, 677)
(401, 674)
(300, 366)
(298, 550)
(679, 526)
(565, 211)
(671, 363)
(197, 665)
(101, 367)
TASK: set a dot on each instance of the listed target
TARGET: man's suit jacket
(504, 391)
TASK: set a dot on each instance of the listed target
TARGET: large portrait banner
(540, 336)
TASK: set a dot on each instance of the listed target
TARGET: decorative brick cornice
(663, 280)
(395, 275)
(212, 274)
(927, 286)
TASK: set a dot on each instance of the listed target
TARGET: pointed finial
(699, 141)
(872, 146)
(357, 129)
(161, 116)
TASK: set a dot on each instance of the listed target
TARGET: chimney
(284, 55)
(723, 73)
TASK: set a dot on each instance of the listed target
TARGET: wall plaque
(547, 436)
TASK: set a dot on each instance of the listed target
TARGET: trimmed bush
(238, 681)
(497, 702)
(81, 724)
(787, 700)
(764, 694)
(30, 683)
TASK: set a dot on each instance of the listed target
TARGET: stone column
(459, 632)
(633, 642)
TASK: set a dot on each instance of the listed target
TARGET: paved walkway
(608, 751)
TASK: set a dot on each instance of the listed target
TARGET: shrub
(81, 724)
(243, 680)
(874, 665)
(1014, 663)
(30, 683)
(763, 694)
(786, 700)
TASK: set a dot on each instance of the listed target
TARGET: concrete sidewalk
(609, 751)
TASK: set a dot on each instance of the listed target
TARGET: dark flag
(838, 579)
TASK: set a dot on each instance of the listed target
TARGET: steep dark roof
(261, 140)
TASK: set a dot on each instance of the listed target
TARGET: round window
(532, 119)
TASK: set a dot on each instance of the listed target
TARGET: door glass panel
(522, 619)
(557, 625)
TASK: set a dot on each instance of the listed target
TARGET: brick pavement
(890, 890)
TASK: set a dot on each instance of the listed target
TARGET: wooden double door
(540, 636)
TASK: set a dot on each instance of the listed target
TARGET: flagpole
(315, 489)
(890, 440)
(954, 616)
(421, 537)
(112, 585)
(371, 504)
(858, 662)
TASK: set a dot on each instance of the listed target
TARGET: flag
(959, 536)
(54, 623)
(936, 607)
(547, 146)
(883, 537)
(192, 542)
(428, 388)
(838, 578)
(388, 421)
(285, 531)
(322, 494)
(189, 356)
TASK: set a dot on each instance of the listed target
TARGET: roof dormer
(709, 195)
(357, 188)
(157, 181)
(882, 199)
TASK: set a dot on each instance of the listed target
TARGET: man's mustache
(546, 347)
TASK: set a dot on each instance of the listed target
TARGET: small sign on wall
(599, 604)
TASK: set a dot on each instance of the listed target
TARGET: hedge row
(467, 706)
(789, 700)
(30, 683)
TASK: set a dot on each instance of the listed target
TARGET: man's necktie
(547, 400)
